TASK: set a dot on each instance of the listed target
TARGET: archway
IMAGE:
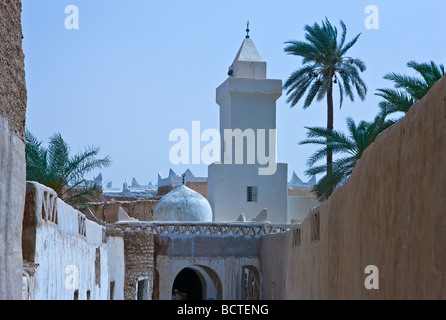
(189, 285)
(198, 282)
(248, 283)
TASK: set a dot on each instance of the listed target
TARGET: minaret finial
(247, 30)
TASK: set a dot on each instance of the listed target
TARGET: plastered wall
(12, 149)
(390, 214)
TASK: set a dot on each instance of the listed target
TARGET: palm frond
(326, 55)
(350, 147)
(53, 167)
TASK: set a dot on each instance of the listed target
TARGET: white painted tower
(248, 179)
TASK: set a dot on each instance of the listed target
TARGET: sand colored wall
(139, 209)
(390, 213)
(300, 192)
(12, 149)
(200, 187)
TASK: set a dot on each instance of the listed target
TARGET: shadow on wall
(389, 215)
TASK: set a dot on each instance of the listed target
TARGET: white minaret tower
(248, 179)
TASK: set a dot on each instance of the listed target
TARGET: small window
(296, 237)
(88, 295)
(252, 194)
(142, 289)
(112, 290)
(315, 227)
(76, 295)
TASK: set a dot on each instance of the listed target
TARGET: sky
(136, 70)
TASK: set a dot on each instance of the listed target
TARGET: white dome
(183, 204)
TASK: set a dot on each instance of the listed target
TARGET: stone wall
(12, 67)
(390, 214)
(139, 263)
(12, 149)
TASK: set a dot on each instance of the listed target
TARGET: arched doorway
(248, 287)
(197, 282)
(189, 285)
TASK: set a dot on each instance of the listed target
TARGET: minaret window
(251, 194)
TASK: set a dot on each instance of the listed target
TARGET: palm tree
(56, 169)
(409, 89)
(351, 146)
(325, 65)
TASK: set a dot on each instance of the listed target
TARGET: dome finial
(247, 30)
(184, 176)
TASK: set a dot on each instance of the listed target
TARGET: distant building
(295, 181)
(172, 181)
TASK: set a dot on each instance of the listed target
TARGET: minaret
(248, 179)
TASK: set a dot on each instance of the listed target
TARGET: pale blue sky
(136, 70)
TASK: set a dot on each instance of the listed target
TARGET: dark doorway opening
(189, 285)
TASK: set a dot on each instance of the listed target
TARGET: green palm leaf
(409, 89)
(54, 167)
(350, 147)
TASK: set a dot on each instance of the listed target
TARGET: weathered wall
(200, 187)
(139, 262)
(139, 209)
(390, 213)
(65, 252)
(12, 149)
(218, 260)
(116, 266)
(12, 67)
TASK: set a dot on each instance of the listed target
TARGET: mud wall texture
(12, 67)
(139, 209)
(391, 214)
(12, 149)
(139, 265)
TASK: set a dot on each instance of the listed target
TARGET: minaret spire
(247, 30)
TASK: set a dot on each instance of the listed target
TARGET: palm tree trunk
(330, 120)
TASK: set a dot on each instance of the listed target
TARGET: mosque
(240, 184)
(204, 248)
(374, 238)
(211, 249)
